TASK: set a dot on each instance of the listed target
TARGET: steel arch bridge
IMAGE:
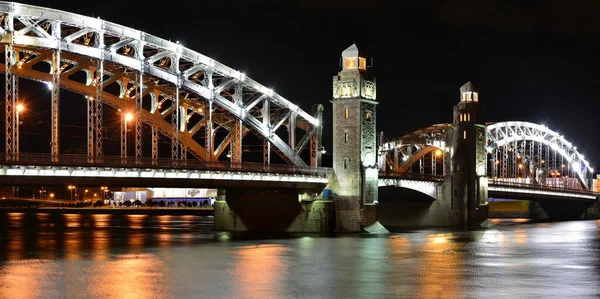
(157, 84)
(518, 152)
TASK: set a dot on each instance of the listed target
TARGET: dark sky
(535, 62)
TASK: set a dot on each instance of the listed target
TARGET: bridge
(227, 131)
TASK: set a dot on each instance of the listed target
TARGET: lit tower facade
(469, 167)
(354, 143)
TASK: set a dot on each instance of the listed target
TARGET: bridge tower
(355, 182)
(469, 167)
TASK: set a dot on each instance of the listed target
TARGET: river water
(105, 256)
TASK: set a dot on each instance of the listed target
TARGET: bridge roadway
(33, 169)
(432, 185)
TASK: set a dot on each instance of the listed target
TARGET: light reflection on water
(110, 256)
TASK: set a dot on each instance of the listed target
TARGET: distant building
(167, 194)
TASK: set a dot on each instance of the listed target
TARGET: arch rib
(502, 133)
(191, 62)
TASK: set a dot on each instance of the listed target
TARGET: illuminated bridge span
(519, 154)
(206, 108)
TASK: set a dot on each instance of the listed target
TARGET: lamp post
(103, 191)
(72, 191)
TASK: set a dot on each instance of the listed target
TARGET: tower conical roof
(351, 51)
(467, 87)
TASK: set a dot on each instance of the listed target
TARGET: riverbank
(208, 211)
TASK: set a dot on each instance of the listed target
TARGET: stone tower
(469, 165)
(356, 179)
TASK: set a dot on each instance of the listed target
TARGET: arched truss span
(176, 79)
(503, 134)
(398, 155)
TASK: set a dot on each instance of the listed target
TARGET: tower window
(461, 117)
(464, 134)
(468, 116)
(345, 137)
(362, 63)
(368, 116)
(346, 162)
(350, 63)
(345, 112)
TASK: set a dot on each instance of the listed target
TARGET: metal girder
(99, 151)
(138, 118)
(10, 105)
(55, 101)
(158, 120)
(503, 134)
(33, 15)
(175, 127)
(154, 145)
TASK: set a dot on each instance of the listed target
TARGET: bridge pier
(241, 210)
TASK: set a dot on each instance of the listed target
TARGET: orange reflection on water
(101, 220)
(73, 245)
(15, 219)
(136, 221)
(164, 221)
(27, 279)
(439, 272)
(135, 240)
(164, 239)
(129, 276)
(73, 220)
(101, 244)
(14, 245)
(259, 269)
(398, 246)
(521, 236)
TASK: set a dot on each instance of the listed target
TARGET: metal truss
(538, 150)
(10, 105)
(123, 51)
(55, 85)
(99, 151)
(400, 154)
(516, 150)
(154, 144)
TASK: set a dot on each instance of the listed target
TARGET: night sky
(534, 62)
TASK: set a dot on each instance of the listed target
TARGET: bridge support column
(355, 181)
(249, 209)
(469, 159)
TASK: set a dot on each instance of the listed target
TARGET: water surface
(106, 256)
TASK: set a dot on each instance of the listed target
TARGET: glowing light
(50, 85)
(438, 153)
(20, 107)
(128, 116)
(404, 158)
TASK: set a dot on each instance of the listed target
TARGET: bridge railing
(29, 159)
(410, 176)
(492, 182)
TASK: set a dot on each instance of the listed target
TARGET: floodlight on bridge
(128, 116)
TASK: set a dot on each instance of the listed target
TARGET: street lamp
(72, 191)
(103, 191)
(86, 197)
